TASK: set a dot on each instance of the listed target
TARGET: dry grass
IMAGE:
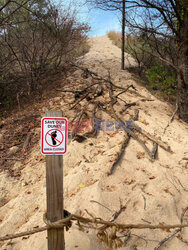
(115, 37)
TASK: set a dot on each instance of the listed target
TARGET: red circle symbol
(49, 136)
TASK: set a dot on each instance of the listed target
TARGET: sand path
(153, 192)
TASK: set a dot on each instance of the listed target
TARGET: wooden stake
(54, 191)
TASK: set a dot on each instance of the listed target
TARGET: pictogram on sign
(54, 135)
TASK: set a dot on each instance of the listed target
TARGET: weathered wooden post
(54, 139)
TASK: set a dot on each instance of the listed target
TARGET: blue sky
(100, 21)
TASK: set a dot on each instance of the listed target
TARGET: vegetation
(36, 39)
(163, 28)
(158, 75)
(115, 37)
(160, 79)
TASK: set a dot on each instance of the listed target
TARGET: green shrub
(159, 76)
(160, 79)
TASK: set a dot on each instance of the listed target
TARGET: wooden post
(123, 37)
(54, 191)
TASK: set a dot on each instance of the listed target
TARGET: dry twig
(174, 233)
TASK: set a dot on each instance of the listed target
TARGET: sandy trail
(153, 192)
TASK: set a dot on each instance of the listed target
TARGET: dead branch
(93, 131)
(120, 153)
(109, 109)
(97, 221)
(182, 185)
(162, 144)
(129, 132)
(144, 202)
(95, 76)
(78, 101)
(174, 233)
(154, 150)
(101, 205)
(171, 119)
(133, 135)
(78, 123)
(130, 86)
(121, 209)
(122, 100)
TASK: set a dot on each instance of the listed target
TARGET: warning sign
(54, 135)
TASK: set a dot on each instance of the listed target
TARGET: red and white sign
(54, 136)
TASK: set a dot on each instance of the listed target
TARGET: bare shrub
(37, 39)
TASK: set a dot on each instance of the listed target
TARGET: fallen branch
(101, 205)
(111, 87)
(130, 86)
(95, 76)
(154, 150)
(129, 132)
(120, 154)
(79, 100)
(171, 119)
(162, 144)
(74, 133)
(73, 217)
(93, 131)
(174, 233)
(144, 202)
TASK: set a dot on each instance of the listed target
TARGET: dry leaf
(110, 188)
(85, 158)
(148, 194)
(152, 177)
(140, 155)
(102, 152)
(82, 213)
(167, 191)
(91, 183)
(165, 166)
(112, 160)
(69, 194)
(25, 237)
(144, 122)
(123, 207)
(78, 163)
(129, 182)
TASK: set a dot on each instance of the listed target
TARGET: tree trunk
(123, 37)
(182, 90)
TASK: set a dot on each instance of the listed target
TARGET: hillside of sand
(152, 192)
